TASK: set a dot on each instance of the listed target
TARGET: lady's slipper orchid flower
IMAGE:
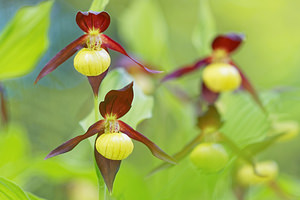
(143, 79)
(113, 142)
(220, 73)
(93, 59)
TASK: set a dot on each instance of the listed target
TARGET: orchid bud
(91, 62)
(209, 157)
(220, 77)
(265, 172)
(114, 146)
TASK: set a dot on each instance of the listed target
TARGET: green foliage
(142, 26)
(98, 5)
(205, 29)
(9, 190)
(24, 40)
(245, 122)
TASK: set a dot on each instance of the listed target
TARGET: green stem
(96, 110)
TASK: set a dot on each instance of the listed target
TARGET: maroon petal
(62, 56)
(209, 96)
(156, 151)
(113, 45)
(108, 168)
(185, 70)
(117, 102)
(228, 42)
(246, 85)
(69, 145)
(93, 21)
(95, 82)
(3, 109)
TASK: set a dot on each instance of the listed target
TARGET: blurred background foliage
(166, 35)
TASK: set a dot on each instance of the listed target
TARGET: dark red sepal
(209, 96)
(108, 168)
(95, 82)
(185, 70)
(69, 145)
(228, 42)
(93, 21)
(117, 102)
(246, 85)
(62, 56)
(3, 106)
(156, 151)
(113, 45)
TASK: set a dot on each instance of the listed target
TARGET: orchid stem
(96, 119)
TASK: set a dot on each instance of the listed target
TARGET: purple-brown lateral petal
(209, 96)
(69, 145)
(3, 109)
(62, 56)
(228, 42)
(246, 85)
(108, 168)
(117, 102)
(113, 45)
(88, 21)
(185, 70)
(95, 82)
(156, 151)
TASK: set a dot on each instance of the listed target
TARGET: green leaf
(13, 140)
(10, 191)
(98, 5)
(32, 196)
(141, 106)
(205, 28)
(24, 40)
(245, 123)
(142, 26)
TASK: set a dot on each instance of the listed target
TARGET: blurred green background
(166, 34)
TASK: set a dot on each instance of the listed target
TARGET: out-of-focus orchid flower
(143, 79)
(93, 59)
(220, 72)
(113, 142)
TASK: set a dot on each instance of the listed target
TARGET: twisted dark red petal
(69, 145)
(62, 56)
(246, 85)
(117, 102)
(156, 151)
(88, 21)
(228, 42)
(95, 82)
(186, 70)
(209, 96)
(109, 43)
(3, 106)
(108, 168)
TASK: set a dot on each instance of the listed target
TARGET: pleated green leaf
(10, 191)
(24, 40)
